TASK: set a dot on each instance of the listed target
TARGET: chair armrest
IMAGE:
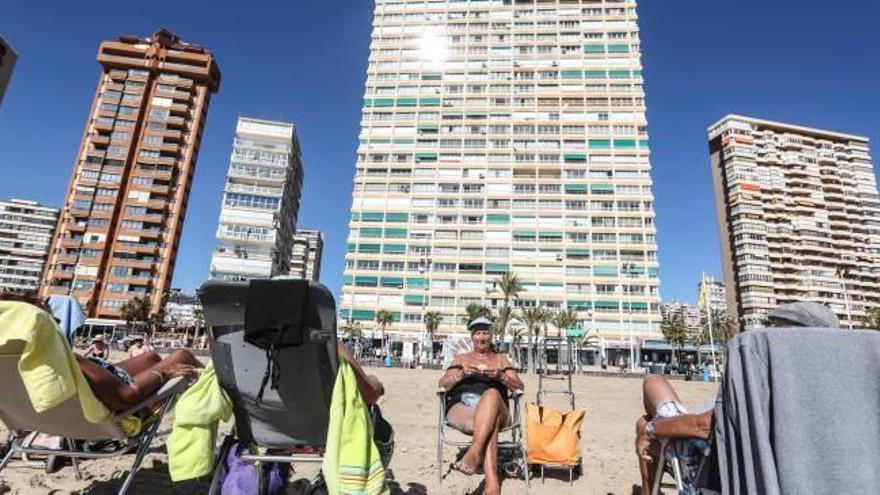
(441, 392)
(517, 393)
(168, 390)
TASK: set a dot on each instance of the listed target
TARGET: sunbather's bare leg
(140, 363)
(490, 464)
(655, 391)
(490, 412)
(647, 468)
(461, 416)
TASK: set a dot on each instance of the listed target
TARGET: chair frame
(516, 443)
(140, 443)
(669, 460)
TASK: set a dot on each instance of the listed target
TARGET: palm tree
(563, 319)
(534, 319)
(136, 311)
(871, 320)
(432, 323)
(674, 331)
(500, 321)
(516, 334)
(198, 321)
(510, 286)
(352, 330)
(474, 311)
(384, 318)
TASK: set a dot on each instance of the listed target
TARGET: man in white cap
(478, 382)
(98, 348)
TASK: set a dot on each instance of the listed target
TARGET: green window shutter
(383, 102)
(366, 281)
(607, 305)
(605, 271)
(577, 252)
(371, 232)
(575, 188)
(369, 248)
(596, 74)
(524, 233)
(624, 143)
(497, 218)
(429, 102)
(653, 272)
(403, 141)
(429, 156)
(579, 305)
(643, 143)
(637, 73)
(550, 235)
(497, 268)
(431, 76)
(415, 299)
(380, 141)
(619, 74)
(351, 247)
(575, 156)
(618, 48)
(416, 282)
(602, 187)
(371, 216)
(355, 216)
(364, 315)
(346, 280)
(636, 305)
(594, 48)
(599, 143)
(428, 127)
(572, 74)
(406, 102)
(368, 102)
(551, 284)
(392, 282)
(395, 233)
(396, 217)
(343, 314)
(394, 248)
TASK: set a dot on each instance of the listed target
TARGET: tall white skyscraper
(260, 202)
(26, 230)
(305, 259)
(501, 136)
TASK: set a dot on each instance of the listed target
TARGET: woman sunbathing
(478, 382)
(128, 383)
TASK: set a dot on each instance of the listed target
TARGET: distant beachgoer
(138, 347)
(98, 348)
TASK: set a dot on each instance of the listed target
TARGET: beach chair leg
(144, 445)
(658, 477)
(73, 460)
(8, 455)
(676, 470)
(542, 474)
(525, 464)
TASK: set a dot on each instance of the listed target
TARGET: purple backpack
(242, 478)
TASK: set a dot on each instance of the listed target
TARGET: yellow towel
(191, 444)
(47, 365)
(352, 464)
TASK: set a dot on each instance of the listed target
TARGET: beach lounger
(691, 463)
(288, 422)
(511, 451)
(67, 420)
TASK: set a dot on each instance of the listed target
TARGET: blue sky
(807, 62)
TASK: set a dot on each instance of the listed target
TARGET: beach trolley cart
(553, 436)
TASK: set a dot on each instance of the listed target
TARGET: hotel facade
(798, 217)
(260, 202)
(121, 221)
(504, 137)
(26, 230)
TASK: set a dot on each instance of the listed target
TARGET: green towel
(47, 364)
(191, 444)
(352, 465)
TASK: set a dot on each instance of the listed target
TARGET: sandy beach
(612, 405)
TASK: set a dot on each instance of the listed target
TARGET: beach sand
(612, 405)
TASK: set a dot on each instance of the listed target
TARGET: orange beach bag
(553, 437)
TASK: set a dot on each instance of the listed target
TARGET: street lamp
(625, 267)
(425, 266)
(842, 274)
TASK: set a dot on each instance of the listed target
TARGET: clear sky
(804, 61)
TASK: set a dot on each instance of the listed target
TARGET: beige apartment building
(504, 137)
(798, 216)
(121, 221)
(305, 257)
(26, 230)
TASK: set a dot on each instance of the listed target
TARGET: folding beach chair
(512, 452)
(68, 421)
(281, 405)
(691, 463)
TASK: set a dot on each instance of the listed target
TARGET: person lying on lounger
(665, 415)
(127, 383)
(478, 382)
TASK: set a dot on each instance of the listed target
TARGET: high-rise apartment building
(260, 202)
(798, 217)
(504, 136)
(7, 63)
(26, 229)
(712, 294)
(305, 260)
(122, 218)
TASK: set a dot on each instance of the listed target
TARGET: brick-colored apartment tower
(121, 221)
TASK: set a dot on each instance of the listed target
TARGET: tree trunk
(529, 358)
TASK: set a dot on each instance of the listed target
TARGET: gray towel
(801, 412)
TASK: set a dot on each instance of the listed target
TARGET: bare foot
(467, 465)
